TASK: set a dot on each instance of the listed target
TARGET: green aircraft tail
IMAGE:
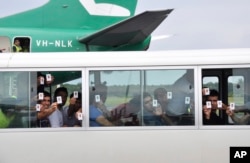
(82, 14)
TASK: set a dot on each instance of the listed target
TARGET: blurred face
(78, 104)
(162, 97)
(64, 97)
(213, 100)
(46, 102)
(203, 91)
(148, 103)
(17, 42)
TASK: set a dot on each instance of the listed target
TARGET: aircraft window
(23, 45)
(26, 97)
(128, 98)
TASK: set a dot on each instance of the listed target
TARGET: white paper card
(42, 80)
(75, 94)
(207, 91)
(79, 116)
(48, 77)
(187, 100)
(155, 103)
(38, 107)
(169, 95)
(59, 99)
(208, 104)
(232, 106)
(97, 98)
(219, 104)
(40, 96)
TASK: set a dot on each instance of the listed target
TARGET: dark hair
(158, 91)
(46, 94)
(60, 89)
(79, 96)
(137, 100)
(16, 39)
(214, 92)
(40, 74)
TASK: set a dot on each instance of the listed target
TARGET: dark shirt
(152, 120)
(43, 123)
(14, 49)
(214, 120)
(70, 120)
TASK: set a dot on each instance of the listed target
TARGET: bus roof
(141, 58)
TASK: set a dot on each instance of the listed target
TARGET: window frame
(209, 127)
(85, 98)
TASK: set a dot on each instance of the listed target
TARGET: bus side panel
(145, 146)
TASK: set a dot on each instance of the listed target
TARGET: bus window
(236, 90)
(211, 82)
(122, 95)
(14, 102)
(110, 97)
(232, 85)
(238, 94)
(65, 91)
(21, 91)
(173, 90)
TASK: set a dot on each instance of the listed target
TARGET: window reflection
(14, 100)
(171, 95)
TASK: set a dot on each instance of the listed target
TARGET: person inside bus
(210, 106)
(160, 94)
(7, 112)
(45, 109)
(43, 82)
(69, 113)
(181, 104)
(103, 89)
(97, 115)
(243, 120)
(60, 97)
(152, 115)
(17, 47)
(79, 116)
(39, 81)
(127, 112)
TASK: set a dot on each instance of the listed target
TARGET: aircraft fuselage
(54, 40)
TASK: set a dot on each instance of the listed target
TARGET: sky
(201, 24)
(194, 24)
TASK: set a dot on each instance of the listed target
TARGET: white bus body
(146, 144)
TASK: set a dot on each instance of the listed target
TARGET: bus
(114, 120)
